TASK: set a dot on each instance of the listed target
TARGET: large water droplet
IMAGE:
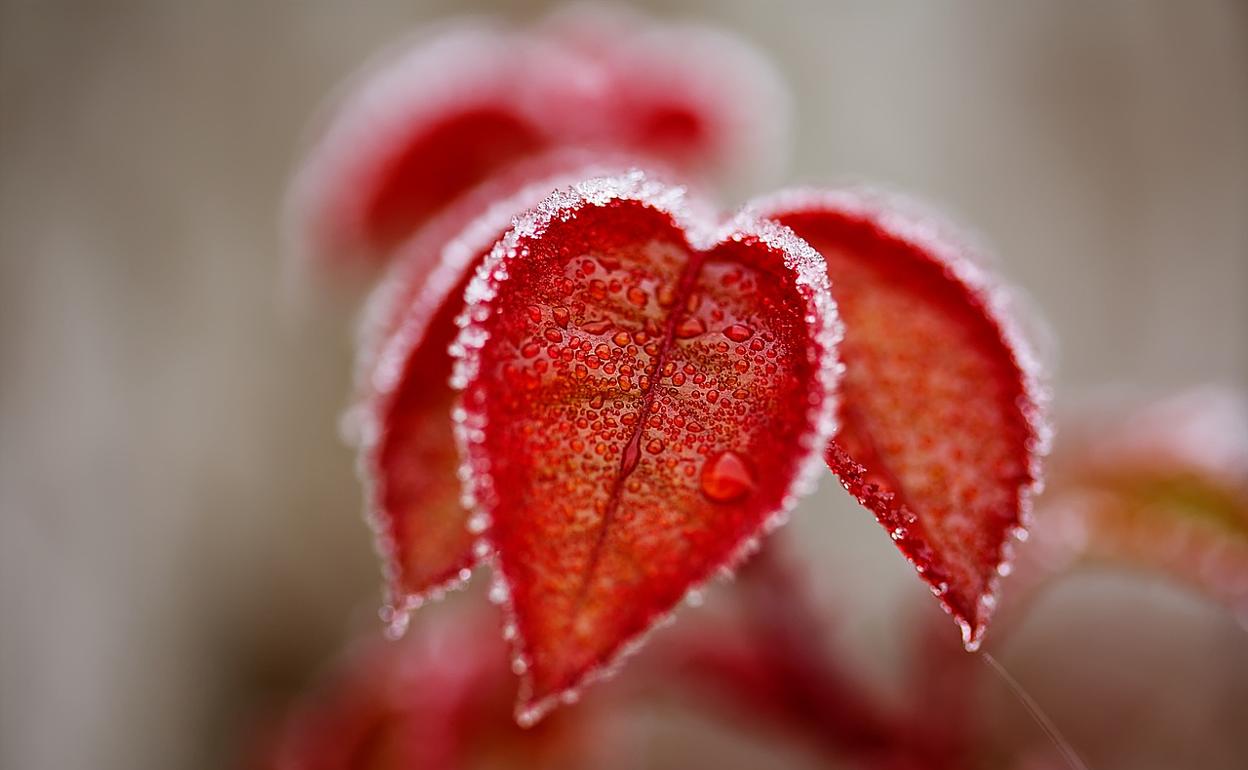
(600, 326)
(726, 477)
(738, 332)
(690, 327)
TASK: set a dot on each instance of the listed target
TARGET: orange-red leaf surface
(1163, 487)
(407, 449)
(940, 425)
(643, 396)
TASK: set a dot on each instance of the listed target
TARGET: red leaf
(1162, 486)
(697, 97)
(407, 449)
(941, 429)
(430, 119)
(422, 123)
(438, 701)
(642, 397)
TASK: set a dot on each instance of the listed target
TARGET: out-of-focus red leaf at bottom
(439, 700)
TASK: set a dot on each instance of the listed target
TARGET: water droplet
(726, 477)
(690, 327)
(637, 296)
(561, 315)
(655, 446)
(738, 332)
(597, 327)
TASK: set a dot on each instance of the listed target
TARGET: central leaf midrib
(632, 448)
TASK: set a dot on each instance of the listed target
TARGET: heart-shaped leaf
(941, 427)
(643, 395)
(1163, 486)
(403, 419)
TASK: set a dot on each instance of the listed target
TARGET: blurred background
(180, 539)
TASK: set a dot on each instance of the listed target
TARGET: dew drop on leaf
(690, 328)
(726, 478)
(738, 332)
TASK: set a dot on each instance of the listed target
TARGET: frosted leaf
(942, 415)
(620, 475)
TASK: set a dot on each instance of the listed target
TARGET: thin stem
(1050, 729)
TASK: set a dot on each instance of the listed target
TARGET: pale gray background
(178, 521)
